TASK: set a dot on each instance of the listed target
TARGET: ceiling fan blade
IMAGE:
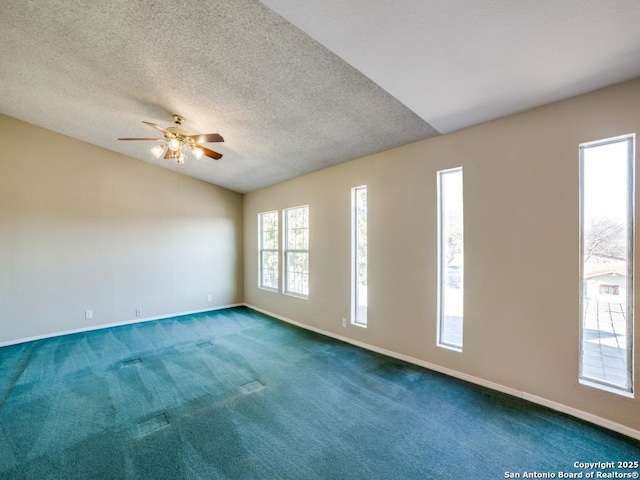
(210, 153)
(154, 139)
(157, 127)
(207, 138)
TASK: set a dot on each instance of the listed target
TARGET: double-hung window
(268, 250)
(296, 251)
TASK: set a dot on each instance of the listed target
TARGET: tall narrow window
(296, 250)
(450, 259)
(359, 256)
(268, 248)
(606, 243)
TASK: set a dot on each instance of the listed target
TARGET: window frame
(262, 250)
(355, 320)
(630, 240)
(286, 251)
(440, 269)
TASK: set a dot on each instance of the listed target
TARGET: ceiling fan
(177, 142)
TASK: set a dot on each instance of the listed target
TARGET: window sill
(274, 290)
(606, 388)
(297, 295)
(450, 347)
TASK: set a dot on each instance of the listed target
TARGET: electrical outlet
(209, 298)
(88, 314)
(138, 312)
(344, 323)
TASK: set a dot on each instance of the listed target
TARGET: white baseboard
(115, 324)
(602, 422)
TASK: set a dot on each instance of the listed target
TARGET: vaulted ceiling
(295, 87)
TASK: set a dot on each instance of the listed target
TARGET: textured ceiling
(284, 104)
(289, 98)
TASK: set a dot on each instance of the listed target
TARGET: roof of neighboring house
(598, 266)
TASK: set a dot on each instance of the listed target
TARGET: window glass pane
(270, 269)
(297, 228)
(268, 250)
(270, 230)
(607, 230)
(359, 255)
(297, 273)
(450, 258)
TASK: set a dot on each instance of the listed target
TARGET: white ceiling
(314, 84)
(457, 63)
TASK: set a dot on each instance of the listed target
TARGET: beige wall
(83, 228)
(521, 226)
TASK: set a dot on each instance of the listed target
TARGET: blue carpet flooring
(234, 394)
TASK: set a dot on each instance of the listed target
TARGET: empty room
(319, 240)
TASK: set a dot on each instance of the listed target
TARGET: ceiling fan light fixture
(197, 152)
(177, 142)
(174, 144)
(158, 150)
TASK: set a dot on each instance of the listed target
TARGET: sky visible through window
(605, 179)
